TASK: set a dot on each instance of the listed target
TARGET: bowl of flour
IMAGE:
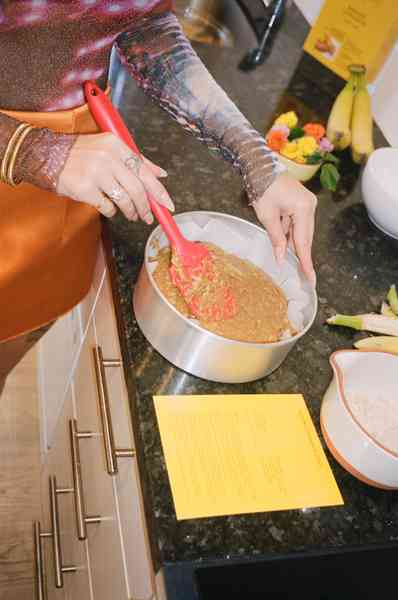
(359, 415)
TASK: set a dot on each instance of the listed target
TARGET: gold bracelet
(8, 150)
(13, 158)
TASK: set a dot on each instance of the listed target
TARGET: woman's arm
(42, 155)
(162, 61)
(86, 168)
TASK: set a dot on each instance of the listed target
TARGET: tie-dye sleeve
(42, 155)
(163, 62)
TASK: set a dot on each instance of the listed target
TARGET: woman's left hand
(287, 211)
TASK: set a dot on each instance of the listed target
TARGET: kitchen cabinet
(58, 353)
(126, 480)
(105, 549)
(114, 560)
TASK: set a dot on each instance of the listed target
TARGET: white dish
(301, 172)
(393, 238)
(379, 186)
(370, 377)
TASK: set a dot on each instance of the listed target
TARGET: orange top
(48, 244)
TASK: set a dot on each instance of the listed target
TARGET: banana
(338, 129)
(387, 311)
(361, 123)
(392, 298)
(384, 343)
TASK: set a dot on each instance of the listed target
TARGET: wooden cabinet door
(132, 525)
(104, 544)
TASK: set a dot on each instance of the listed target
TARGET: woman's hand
(103, 172)
(287, 211)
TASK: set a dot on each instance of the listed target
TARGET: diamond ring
(133, 163)
(116, 194)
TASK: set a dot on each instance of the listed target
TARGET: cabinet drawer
(127, 485)
(104, 543)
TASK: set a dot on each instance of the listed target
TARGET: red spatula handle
(108, 118)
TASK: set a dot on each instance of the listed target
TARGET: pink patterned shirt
(48, 48)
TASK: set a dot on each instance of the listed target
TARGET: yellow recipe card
(235, 454)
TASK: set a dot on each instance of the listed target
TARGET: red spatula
(193, 260)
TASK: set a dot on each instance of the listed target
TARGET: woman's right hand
(103, 172)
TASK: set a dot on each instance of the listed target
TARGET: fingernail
(168, 202)
(279, 255)
(149, 219)
(162, 173)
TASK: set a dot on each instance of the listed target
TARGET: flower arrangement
(305, 145)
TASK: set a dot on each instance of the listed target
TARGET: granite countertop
(355, 266)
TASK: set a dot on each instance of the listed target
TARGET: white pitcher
(368, 375)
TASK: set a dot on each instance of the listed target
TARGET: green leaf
(314, 158)
(329, 177)
(328, 157)
(295, 133)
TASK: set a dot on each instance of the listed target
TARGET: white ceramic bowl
(350, 438)
(379, 186)
(302, 172)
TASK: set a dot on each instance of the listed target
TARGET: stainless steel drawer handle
(41, 591)
(59, 568)
(111, 452)
(80, 510)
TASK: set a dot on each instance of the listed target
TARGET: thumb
(271, 219)
(157, 171)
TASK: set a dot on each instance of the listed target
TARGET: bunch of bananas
(350, 121)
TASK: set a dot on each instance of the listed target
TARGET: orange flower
(315, 130)
(276, 140)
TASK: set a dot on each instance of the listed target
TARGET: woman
(58, 173)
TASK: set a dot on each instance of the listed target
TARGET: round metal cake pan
(185, 344)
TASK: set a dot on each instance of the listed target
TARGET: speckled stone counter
(355, 266)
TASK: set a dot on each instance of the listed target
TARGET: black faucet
(264, 25)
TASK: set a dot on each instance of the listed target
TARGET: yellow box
(354, 31)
